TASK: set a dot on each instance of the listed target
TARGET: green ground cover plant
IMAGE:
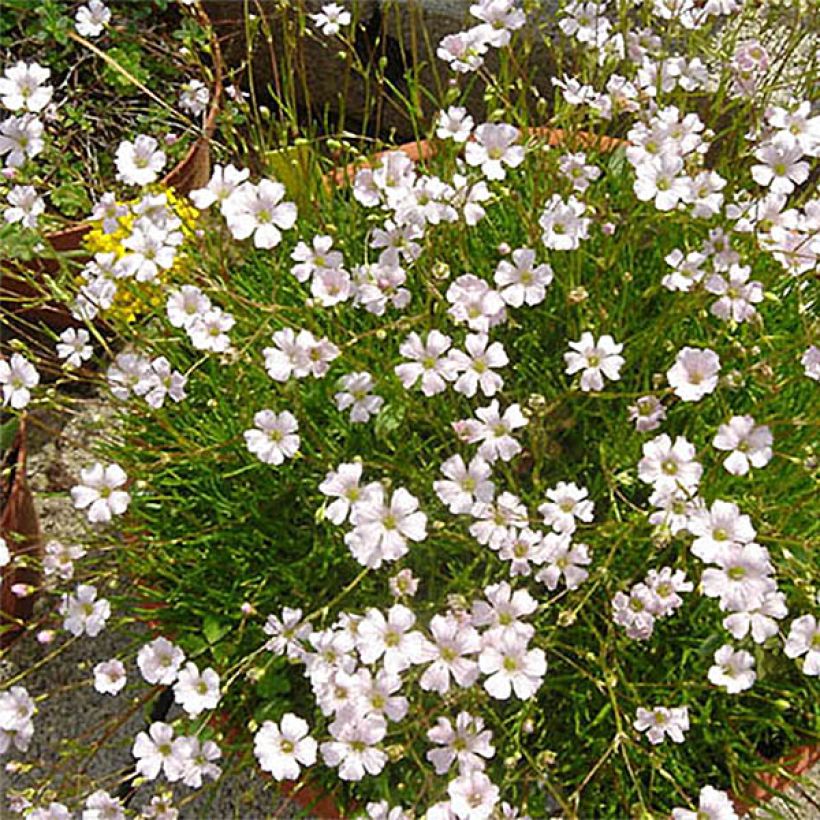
(481, 485)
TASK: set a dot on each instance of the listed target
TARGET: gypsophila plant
(478, 486)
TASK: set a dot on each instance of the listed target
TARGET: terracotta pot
(21, 298)
(425, 149)
(791, 766)
(20, 527)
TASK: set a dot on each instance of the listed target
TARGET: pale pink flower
(511, 667)
(274, 437)
(749, 444)
(713, 805)
(258, 210)
(196, 691)
(283, 748)
(354, 749)
(473, 796)
(734, 671)
(109, 677)
(468, 742)
(694, 374)
(159, 661)
(476, 365)
(804, 639)
(465, 484)
(428, 362)
(522, 281)
(493, 148)
(661, 722)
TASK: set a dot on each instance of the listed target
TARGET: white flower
(16, 712)
(17, 376)
(511, 667)
(804, 639)
(465, 485)
(732, 670)
(476, 364)
(74, 347)
(760, 620)
(566, 503)
(209, 330)
(669, 466)
(22, 87)
(648, 412)
(694, 374)
(468, 742)
(194, 97)
(713, 805)
(493, 148)
(155, 751)
(287, 634)
(474, 303)
(749, 444)
(661, 179)
(391, 640)
(343, 485)
(101, 805)
(196, 692)
(331, 19)
(503, 611)
(686, 270)
(737, 294)
(281, 748)
(473, 796)
(139, 162)
(83, 613)
(811, 362)
(455, 124)
(464, 49)
(780, 167)
(382, 528)
(197, 760)
(522, 281)
(564, 558)
(564, 223)
(25, 206)
(355, 395)
(451, 643)
(353, 748)
(274, 438)
(21, 138)
(718, 528)
(160, 382)
(186, 305)
(635, 612)
(428, 362)
(259, 210)
(493, 429)
(223, 182)
(109, 677)
(91, 19)
(98, 494)
(596, 359)
(5, 554)
(159, 661)
(576, 169)
(662, 722)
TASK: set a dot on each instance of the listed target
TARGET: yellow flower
(137, 298)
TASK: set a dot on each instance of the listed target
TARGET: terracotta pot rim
(424, 149)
